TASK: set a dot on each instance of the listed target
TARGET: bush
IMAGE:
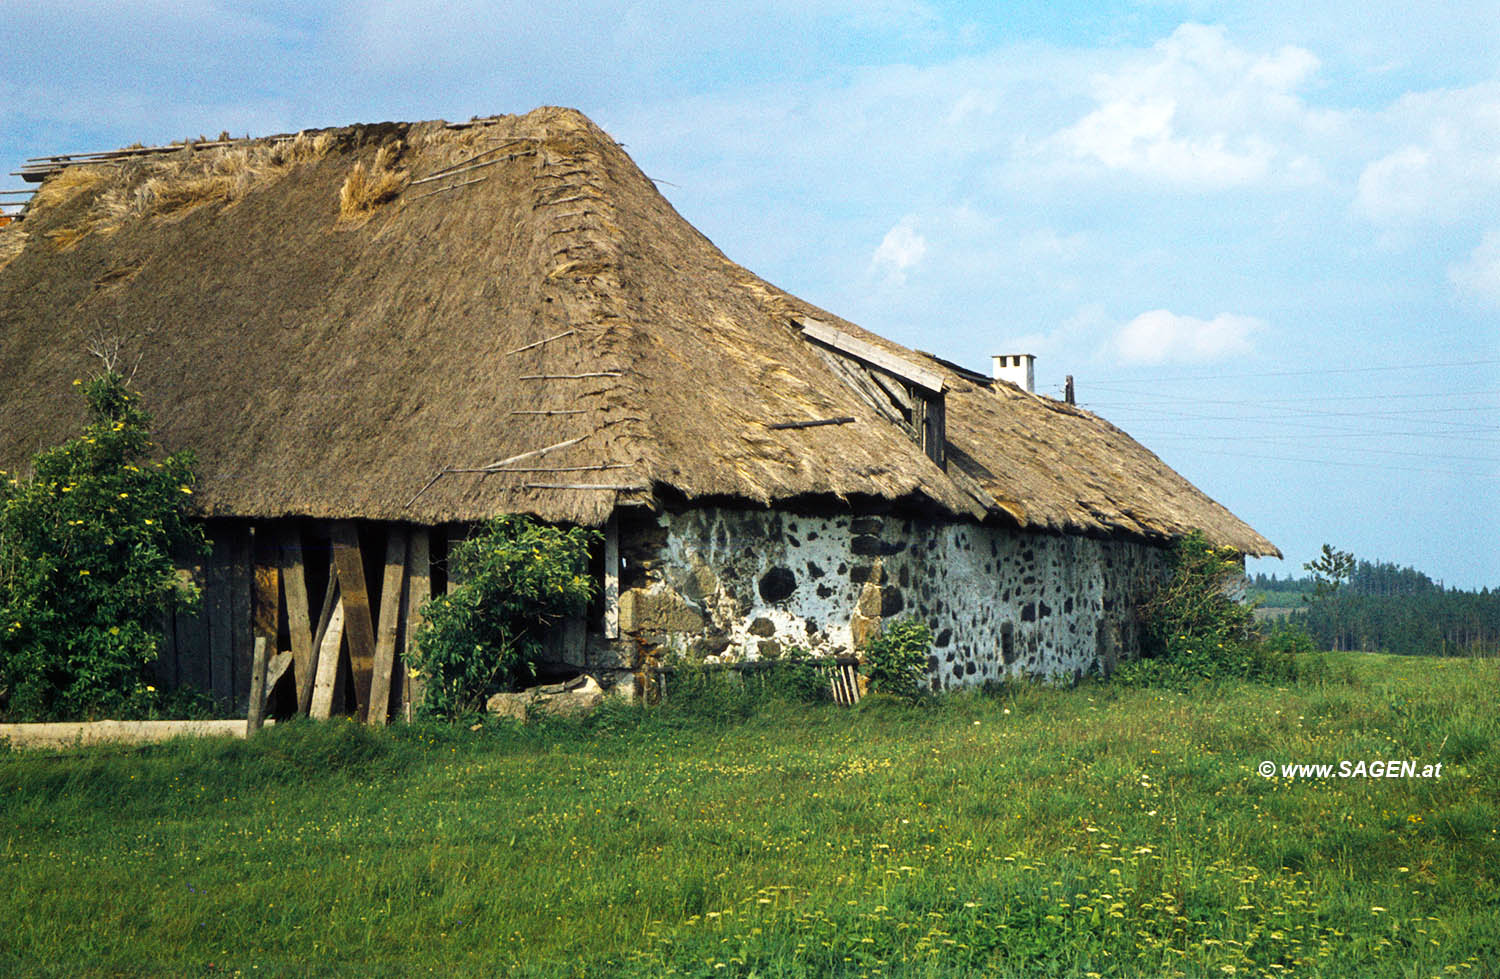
(86, 570)
(519, 578)
(1195, 631)
(895, 660)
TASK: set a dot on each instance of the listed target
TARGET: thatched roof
(328, 329)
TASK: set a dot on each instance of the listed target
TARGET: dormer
(909, 395)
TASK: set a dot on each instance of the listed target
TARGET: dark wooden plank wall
(246, 587)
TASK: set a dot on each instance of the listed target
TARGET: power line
(1309, 373)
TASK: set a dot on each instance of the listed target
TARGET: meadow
(1091, 831)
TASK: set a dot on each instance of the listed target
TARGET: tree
(86, 569)
(1330, 570)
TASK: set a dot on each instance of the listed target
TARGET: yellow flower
(185, 490)
(82, 573)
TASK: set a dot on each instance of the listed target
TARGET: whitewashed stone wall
(726, 583)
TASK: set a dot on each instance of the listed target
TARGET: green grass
(1037, 832)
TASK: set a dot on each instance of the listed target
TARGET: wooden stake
(390, 621)
(814, 423)
(555, 336)
(257, 705)
(349, 560)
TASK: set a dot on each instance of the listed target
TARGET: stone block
(574, 698)
(763, 627)
(657, 611)
(871, 600)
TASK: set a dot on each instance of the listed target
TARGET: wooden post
(355, 602)
(390, 621)
(321, 706)
(418, 590)
(612, 576)
(1068, 390)
(257, 706)
(298, 621)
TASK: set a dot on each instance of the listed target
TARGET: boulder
(572, 698)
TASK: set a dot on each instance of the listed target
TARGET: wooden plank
(358, 626)
(612, 576)
(241, 638)
(256, 706)
(325, 616)
(418, 589)
(457, 534)
(191, 632)
(390, 622)
(321, 706)
(276, 669)
(872, 355)
(265, 601)
(219, 614)
(298, 619)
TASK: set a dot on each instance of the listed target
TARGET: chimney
(1015, 368)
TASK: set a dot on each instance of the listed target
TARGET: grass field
(1080, 832)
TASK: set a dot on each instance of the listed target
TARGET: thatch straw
(328, 375)
(364, 190)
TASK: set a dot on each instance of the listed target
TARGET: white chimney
(1015, 368)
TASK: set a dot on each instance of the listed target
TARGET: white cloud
(1201, 112)
(1161, 337)
(1478, 276)
(901, 249)
(1446, 164)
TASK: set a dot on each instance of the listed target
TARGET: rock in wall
(723, 584)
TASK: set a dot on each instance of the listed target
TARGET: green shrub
(1195, 631)
(895, 660)
(519, 578)
(86, 570)
(796, 678)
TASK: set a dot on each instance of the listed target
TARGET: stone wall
(724, 583)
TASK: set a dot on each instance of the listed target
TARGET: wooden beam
(349, 561)
(872, 355)
(612, 576)
(326, 685)
(418, 589)
(812, 423)
(298, 619)
(390, 621)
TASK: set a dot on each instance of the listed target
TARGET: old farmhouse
(374, 337)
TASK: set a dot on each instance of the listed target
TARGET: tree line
(1379, 605)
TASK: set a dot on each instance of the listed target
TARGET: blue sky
(1263, 238)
